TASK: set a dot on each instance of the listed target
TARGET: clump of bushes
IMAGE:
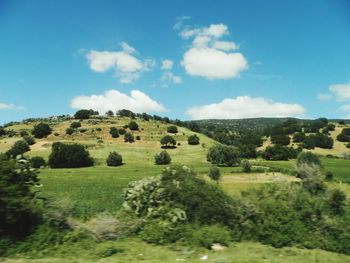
(37, 162)
(133, 126)
(279, 152)
(193, 139)
(113, 131)
(223, 155)
(214, 173)
(114, 159)
(172, 129)
(121, 131)
(20, 147)
(29, 139)
(168, 142)
(162, 158)
(41, 130)
(69, 156)
(70, 131)
(75, 125)
(129, 137)
(246, 166)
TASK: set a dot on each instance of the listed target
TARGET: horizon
(180, 60)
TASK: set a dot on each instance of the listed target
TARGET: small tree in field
(114, 159)
(75, 124)
(172, 129)
(41, 130)
(214, 173)
(114, 132)
(162, 158)
(168, 141)
(110, 113)
(247, 167)
(129, 137)
(37, 162)
(193, 139)
(133, 126)
(20, 147)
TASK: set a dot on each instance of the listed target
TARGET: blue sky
(182, 59)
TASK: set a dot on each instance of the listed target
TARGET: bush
(69, 131)
(138, 137)
(19, 211)
(37, 162)
(162, 158)
(114, 159)
(223, 155)
(214, 173)
(280, 139)
(329, 176)
(172, 129)
(20, 147)
(114, 132)
(337, 202)
(299, 137)
(29, 139)
(129, 137)
(168, 141)
(247, 167)
(23, 133)
(161, 233)
(41, 130)
(133, 126)
(193, 139)
(83, 114)
(279, 152)
(206, 236)
(75, 124)
(69, 156)
(122, 131)
(308, 158)
(342, 137)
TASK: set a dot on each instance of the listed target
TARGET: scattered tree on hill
(121, 131)
(69, 156)
(193, 139)
(279, 152)
(342, 137)
(162, 158)
(129, 137)
(20, 147)
(19, 212)
(223, 155)
(133, 126)
(2, 131)
(83, 114)
(114, 159)
(126, 113)
(214, 173)
(37, 162)
(41, 130)
(247, 167)
(172, 129)
(193, 126)
(318, 140)
(337, 202)
(113, 131)
(110, 113)
(308, 158)
(69, 131)
(280, 139)
(298, 137)
(23, 133)
(168, 141)
(331, 127)
(75, 124)
(29, 139)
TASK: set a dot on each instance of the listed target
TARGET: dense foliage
(168, 141)
(162, 158)
(223, 155)
(19, 147)
(193, 139)
(41, 130)
(129, 137)
(114, 159)
(172, 129)
(37, 162)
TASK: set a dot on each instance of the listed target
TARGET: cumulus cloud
(125, 64)
(324, 96)
(245, 107)
(209, 56)
(168, 77)
(7, 106)
(341, 91)
(114, 100)
(167, 64)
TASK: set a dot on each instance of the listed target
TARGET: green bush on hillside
(223, 155)
(162, 158)
(193, 139)
(114, 159)
(41, 130)
(20, 147)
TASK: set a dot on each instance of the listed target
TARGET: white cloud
(7, 106)
(245, 107)
(169, 77)
(342, 91)
(126, 66)
(209, 56)
(345, 107)
(167, 64)
(324, 96)
(114, 100)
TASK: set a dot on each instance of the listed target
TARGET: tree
(83, 114)
(126, 113)
(214, 173)
(41, 130)
(20, 147)
(129, 137)
(223, 155)
(342, 137)
(172, 129)
(168, 141)
(337, 202)
(114, 159)
(162, 158)
(69, 156)
(110, 113)
(193, 126)
(247, 167)
(121, 131)
(133, 126)
(75, 124)
(113, 131)
(298, 137)
(193, 139)
(279, 152)
(19, 211)
(69, 131)
(308, 158)
(29, 139)
(37, 162)
(2, 131)
(280, 139)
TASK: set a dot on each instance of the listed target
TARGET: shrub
(223, 155)
(23, 133)
(160, 233)
(113, 131)
(337, 202)
(168, 141)
(193, 139)
(280, 139)
(311, 177)
(75, 124)
(19, 211)
(110, 113)
(247, 167)
(114, 159)
(129, 137)
(37, 162)
(133, 126)
(308, 158)
(162, 158)
(121, 131)
(299, 137)
(20, 147)
(206, 236)
(2, 131)
(331, 127)
(69, 131)
(172, 129)
(83, 114)
(138, 137)
(279, 152)
(329, 176)
(82, 130)
(69, 156)
(342, 137)
(214, 173)
(29, 139)
(41, 130)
